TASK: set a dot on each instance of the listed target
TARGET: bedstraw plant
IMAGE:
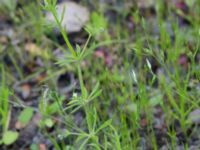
(84, 99)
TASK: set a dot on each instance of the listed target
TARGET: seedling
(8, 7)
(7, 137)
(85, 99)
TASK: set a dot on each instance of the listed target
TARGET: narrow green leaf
(105, 124)
(63, 14)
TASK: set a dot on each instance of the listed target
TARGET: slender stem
(80, 77)
(86, 44)
(16, 66)
(63, 33)
(86, 109)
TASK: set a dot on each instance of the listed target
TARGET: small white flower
(75, 95)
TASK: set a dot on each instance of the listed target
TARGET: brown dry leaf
(41, 78)
(3, 40)
(36, 50)
(26, 90)
(42, 147)
(19, 125)
(33, 49)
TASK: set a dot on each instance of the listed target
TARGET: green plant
(132, 87)
(25, 116)
(7, 137)
(8, 7)
(84, 100)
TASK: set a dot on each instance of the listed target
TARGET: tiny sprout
(148, 51)
(143, 23)
(199, 32)
(133, 75)
(148, 64)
